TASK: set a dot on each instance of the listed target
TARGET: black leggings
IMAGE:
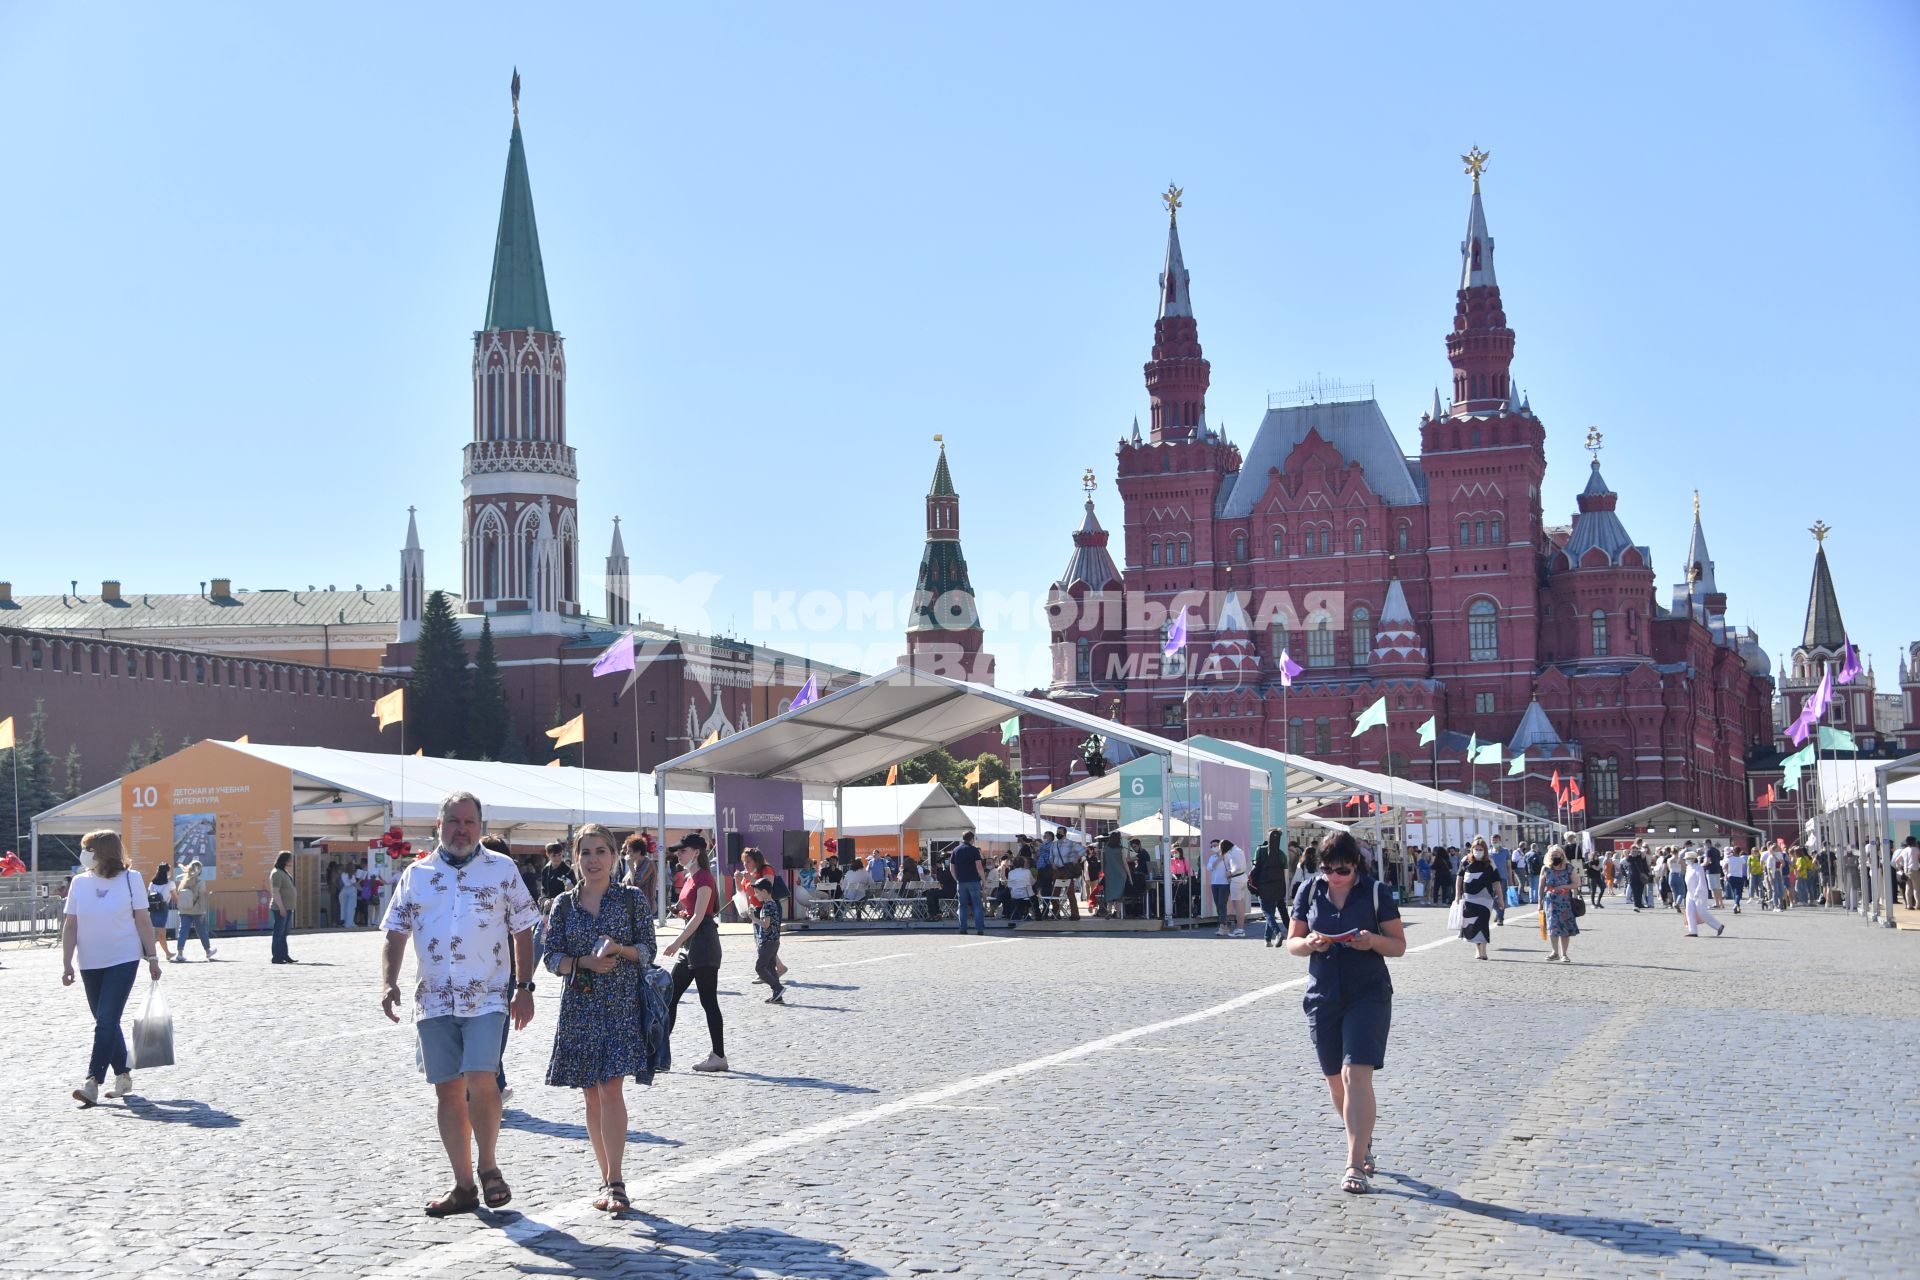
(708, 980)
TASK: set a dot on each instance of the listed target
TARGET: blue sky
(248, 245)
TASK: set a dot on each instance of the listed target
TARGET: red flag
(1556, 782)
(10, 865)
(1766, 797)
(1579, 805)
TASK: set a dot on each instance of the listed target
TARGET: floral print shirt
(462, 920)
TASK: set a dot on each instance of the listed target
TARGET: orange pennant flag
(574, 730)
(893, 774)
(419, 751)
(1766, 797)
(973, 776)
(1044, 792)
(553, 764)
(991, 791)
(6, 734)
(391, 709)
(242, 738)
(710, 739)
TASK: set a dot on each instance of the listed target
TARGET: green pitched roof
(517, 298)
(1824, 630)
(943, 579)
(942, 478)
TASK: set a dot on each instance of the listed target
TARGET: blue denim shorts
(1356, 1033)
(451, 1046)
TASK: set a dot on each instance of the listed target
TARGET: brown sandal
(617, 1202)
(459, 1200)
(498, 1193)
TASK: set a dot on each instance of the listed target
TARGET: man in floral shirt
(463, 907)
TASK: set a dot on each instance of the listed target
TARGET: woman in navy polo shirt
(1346, 923)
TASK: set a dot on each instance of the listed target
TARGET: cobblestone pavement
(1027, 1105)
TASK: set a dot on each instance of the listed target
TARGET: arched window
(1483, 631)
(1599, 633)
(1153, 551)
(1403, 537)
(1297, 736)
(1479, 533)
(1362, 634)
(1603, 786)
(1279, 542)
(1359, 537)
(1239, 546)
(1322, 736)
(1493, 532)
(1466, 533)
(1320, 641)
(1186, 550)
(1083, 658)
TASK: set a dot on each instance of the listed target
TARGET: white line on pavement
(455, 1256)
(842, 964)
(995, 942)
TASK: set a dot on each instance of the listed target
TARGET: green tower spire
(517, 298)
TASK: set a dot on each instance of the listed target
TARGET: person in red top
(699, 963)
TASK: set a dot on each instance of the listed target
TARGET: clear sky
(247, 246)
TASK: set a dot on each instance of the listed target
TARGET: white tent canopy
(354, 794)
(926, 807)
(1151, 825)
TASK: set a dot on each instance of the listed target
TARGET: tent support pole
(839, 820)
(660, 873)
(1166, 842)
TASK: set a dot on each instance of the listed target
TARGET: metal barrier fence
(30, 907)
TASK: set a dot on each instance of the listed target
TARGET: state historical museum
(1435, 578)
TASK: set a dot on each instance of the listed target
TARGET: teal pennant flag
(1836, 740)
(1374, 716)
(1490, 753)
(1517, 766)
(1429, 731)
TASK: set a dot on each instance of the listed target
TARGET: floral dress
(598, 1038)
(1558, 906)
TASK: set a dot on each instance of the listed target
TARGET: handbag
(153, 1032)
(1579, 906)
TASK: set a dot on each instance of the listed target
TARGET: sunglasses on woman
(1339, 871)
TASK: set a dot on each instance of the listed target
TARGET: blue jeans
(968, 893)
(107, 991)
(282, 922)
(1736, 888)
(1276, 924)
(199, 921)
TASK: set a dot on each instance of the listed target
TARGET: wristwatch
(524, 986)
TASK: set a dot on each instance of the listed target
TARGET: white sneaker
(506, 1095)
(714, 1063)
(88, 1093)
(122, 1084)
(1238, 933)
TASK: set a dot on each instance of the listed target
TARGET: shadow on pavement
(1624, 1235)
(515, 1118)
(697, 1254)
(804, 1082)
(179, 1111)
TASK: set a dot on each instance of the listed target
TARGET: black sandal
(498, 1193)
(617, 1202)
(459, 1200)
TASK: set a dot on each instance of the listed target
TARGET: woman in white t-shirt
(1020, 889)
(108, 926)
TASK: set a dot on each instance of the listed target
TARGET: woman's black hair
(280, 863)
(1340, 846)
(161, 873)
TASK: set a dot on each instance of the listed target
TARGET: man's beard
(458, 851)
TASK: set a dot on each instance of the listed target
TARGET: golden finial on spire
(1820, 530)
(1089, 482)
(941, 441)
(1593, 443)
(1476, 160)
(516, 95)
(1171, 196)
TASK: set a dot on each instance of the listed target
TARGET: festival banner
(760, 809)
(230, 811)
(1226, 809)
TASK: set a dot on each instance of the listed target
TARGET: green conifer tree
(437, 691)
(489, 720)
(72, 769)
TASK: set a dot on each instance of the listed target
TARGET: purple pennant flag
(1850, 665)
(809, 692)
(1176, 635)
(618, 657)
(1822, 698)
(1800, 728)
(1288, 669)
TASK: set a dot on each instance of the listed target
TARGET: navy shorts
(1356, 1033)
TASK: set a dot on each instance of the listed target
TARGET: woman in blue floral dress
(600, 939)
(1556, 900)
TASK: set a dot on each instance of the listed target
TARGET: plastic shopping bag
(1457, 915)
(153, 1032)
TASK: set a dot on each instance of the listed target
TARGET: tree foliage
(436, 721)
(489, 720)
(37, 792)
